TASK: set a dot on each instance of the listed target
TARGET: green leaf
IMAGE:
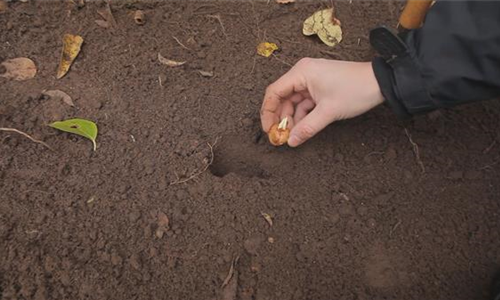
(81, 127)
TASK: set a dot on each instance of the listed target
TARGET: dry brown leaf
(266, 49)
(268, 218)
(59, 95)
(71, 47)
(206, 73)
(102, 23)
(285, 1)
(19, 69)
(106, 13)
(139, 17)
(325, 25)
(169, 62)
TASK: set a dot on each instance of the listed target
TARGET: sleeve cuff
(385, 78)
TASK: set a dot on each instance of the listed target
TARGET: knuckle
(269, 89)
(304, 62)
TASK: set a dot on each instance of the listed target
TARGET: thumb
(309, 126)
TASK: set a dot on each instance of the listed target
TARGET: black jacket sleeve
(453, 59)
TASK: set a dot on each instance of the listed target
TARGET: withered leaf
(266, 49)
(325, 25)
(206, 73)
(59, 95)
(169, 62)
(19, 69)
(71, 47)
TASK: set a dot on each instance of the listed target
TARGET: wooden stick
(414, 13)
(26, 135)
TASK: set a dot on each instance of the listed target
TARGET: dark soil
(355, 216)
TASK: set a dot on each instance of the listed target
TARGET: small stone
(248, 86)
(390, 154)
(270, 240)
(134, 261)
(247, 122)
(362, 210)
(134, 216)
(334, 219)
(49, 264)
(94, 102)
(159, 232)
(371, 223)
(382, 199)
(252, 244)
(148, 231)
(65, 278)
(300, 257)
(163, 220)
(116, 259)
(346, 209)
(153, 252)
(255, 266)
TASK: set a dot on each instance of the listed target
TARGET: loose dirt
(354, 216)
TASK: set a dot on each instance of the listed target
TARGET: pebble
(390, 154)
(134, 216)
(134, 261)
(247, 122)
(362, 211)
(153, 252)
(252, 244)
(255, 266)
(372, 223)
(116, 259)
(300, 257)
(334, 219)
(346, 209)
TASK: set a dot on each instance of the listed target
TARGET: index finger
(282, 89)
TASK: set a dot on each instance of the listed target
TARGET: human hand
(317, 92)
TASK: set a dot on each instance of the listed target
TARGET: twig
(490, 147)
(489, 166)
(26, 135)
(198, 173)
(394, 228)
(282, 61)
(181, 44)
(218, 18)
(253, 65)
(231, 271)
(416, 151)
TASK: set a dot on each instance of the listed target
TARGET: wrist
(373, 86)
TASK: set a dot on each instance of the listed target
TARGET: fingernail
(293, 141)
